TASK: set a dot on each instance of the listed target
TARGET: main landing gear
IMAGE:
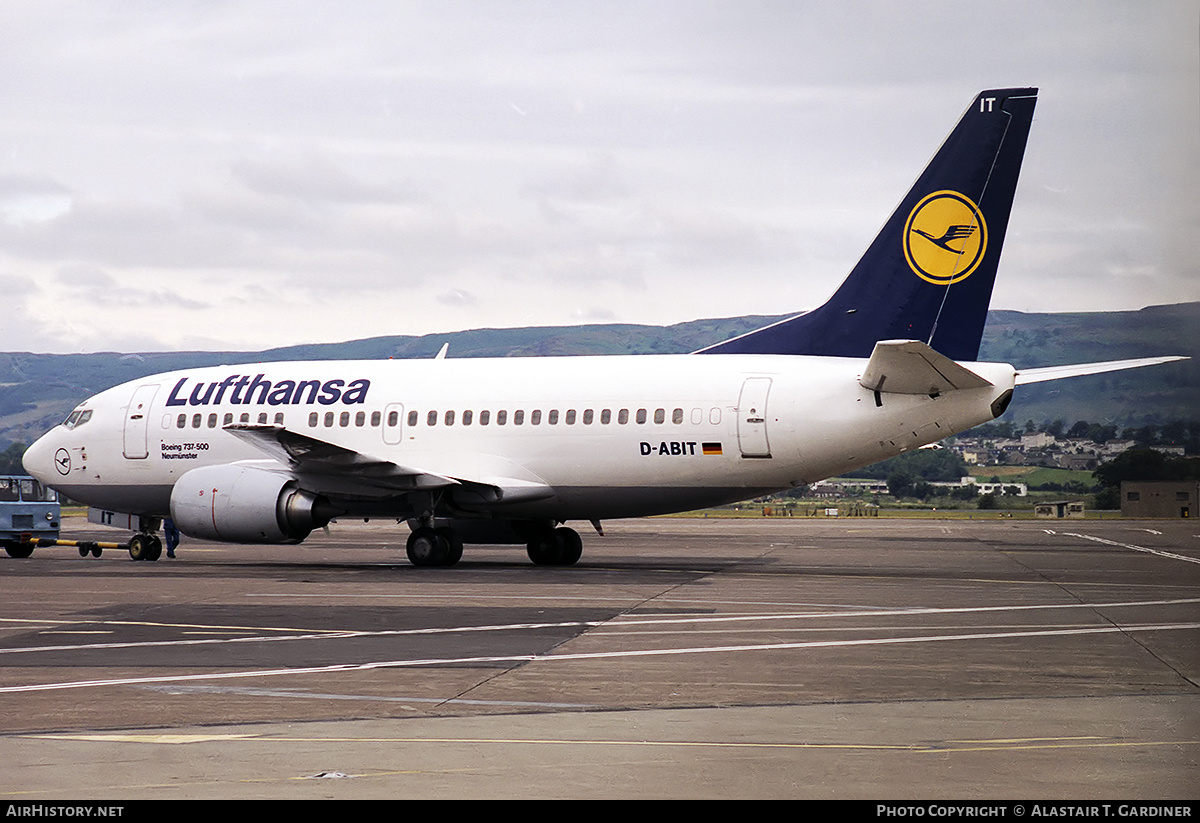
(428, 546)
(432, 547)
(555, 547)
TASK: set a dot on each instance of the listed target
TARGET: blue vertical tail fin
(928, 275)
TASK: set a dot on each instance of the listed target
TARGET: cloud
(270, 173)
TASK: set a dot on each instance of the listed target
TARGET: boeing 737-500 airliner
(507, 450)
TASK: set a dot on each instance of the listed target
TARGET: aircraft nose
(38, 459)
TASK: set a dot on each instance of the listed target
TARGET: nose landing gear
(145, 546)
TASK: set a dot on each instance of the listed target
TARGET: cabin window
(606, 417)
(412, 418)
(360, 419)
(344, 419)
(535, 417)
(485, 417)
(377, 418)
(518, 417)
(312, 419)
(587, 417)
(212, 420)
(394, 419)
(660, 415)
(262, 419)
(641, 416)
(228, 419)
(570, 417)
(552, 417)
(181, 421)
(623, 416)
(278, 418)
(468, 416)
(501, 417)
(196, 420)
(677, 416)
(431, 418)
(328, 419)
(448, 418)
(714, 416)
(697, 416)
(245, 418)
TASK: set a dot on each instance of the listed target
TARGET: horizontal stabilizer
(911, 367)
(1041, 375)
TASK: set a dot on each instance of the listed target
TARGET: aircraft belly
(605, 503)
(130, 499)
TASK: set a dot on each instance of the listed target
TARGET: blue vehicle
(29, 512)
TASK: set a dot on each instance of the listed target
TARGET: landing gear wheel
(84, 551)
(454, 546)
(96, 551)
(572, 546)
(555, 547)
(145, 547)
(15, 549)
(427, 548)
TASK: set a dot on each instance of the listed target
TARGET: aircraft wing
(309, 455)
(912, 367)
(1040, 375)
(343, 467)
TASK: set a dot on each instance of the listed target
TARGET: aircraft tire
(454, 546)
(572, 546)
(155, 548)
(426, 548)
(16, 549)
(555, 547)
(145, 547)
(544, 548)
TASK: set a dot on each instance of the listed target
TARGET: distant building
(1037, 440)
(1059, 508)
(1144, 499)
(1001, 488)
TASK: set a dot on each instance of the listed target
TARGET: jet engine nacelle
(243, 504)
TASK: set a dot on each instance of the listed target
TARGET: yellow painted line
(1115, 744)
(916, 748)
(172, 739)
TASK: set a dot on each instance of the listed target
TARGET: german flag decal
(711, 448)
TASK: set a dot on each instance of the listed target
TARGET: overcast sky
(184, 175)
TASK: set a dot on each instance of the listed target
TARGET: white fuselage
(609, 436)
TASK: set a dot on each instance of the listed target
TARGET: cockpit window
(77, 418)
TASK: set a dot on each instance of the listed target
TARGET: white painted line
(616, 623)
(556, 658)
(1134, 548)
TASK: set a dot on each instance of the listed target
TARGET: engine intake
(243, 504)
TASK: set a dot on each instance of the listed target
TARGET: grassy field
(1033, 475)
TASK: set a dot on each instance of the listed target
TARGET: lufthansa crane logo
(945, 238)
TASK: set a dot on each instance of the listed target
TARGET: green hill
(37, 390)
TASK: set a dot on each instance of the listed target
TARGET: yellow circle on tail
(945, 237)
